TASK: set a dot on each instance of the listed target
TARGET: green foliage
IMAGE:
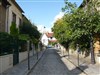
(72, 45)
(14, 30)
(22, 45)
(24, 37)
(77, 25)
(18, 38)
(30, 30)
(71, 7)
(5, 43)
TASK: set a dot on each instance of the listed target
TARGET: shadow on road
(78, 70)
(52, 64)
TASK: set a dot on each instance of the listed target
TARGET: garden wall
(6, 62)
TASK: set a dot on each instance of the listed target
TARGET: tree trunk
(92, 51)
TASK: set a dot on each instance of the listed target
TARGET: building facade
(15, 14)
(10, 12)
(3, 15)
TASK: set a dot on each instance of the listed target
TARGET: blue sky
(43, 12)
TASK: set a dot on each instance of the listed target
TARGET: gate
(15, 55)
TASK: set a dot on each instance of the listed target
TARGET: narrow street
(53, 64)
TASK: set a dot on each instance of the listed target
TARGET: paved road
(53, 64)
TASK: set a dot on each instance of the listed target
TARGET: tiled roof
(49, 35)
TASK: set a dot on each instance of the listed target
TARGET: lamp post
(28, 54)
(78, 52)
(33, 48)
(37, 51)
(68, 54)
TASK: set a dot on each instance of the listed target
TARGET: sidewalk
(22, 67)
(85, 62)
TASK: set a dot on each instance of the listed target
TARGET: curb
(29, 71)
(76, 66)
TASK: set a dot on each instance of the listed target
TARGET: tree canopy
(77, 24)
(31, 30)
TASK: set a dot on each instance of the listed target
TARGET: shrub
(5, 43)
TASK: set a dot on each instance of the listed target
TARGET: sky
(43, 13)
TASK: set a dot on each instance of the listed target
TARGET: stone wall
(6, 62)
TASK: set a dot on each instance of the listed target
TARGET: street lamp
(38, 50)
(78, 52)
(28, 54)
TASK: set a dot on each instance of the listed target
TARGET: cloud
(42, 28)
(48, 30)
(59, 16)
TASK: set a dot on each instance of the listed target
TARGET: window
(20, 22)
(14, 17)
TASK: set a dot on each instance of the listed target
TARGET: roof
(52, 39)
(49, 34)
(25, 17)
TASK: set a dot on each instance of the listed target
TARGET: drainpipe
(28, 54)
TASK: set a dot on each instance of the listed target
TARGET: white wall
(44, 39)
(6, 62)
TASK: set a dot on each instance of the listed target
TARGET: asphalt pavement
(53, 64)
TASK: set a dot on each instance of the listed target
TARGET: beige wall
(22, 56)
(6, 62)
(2, 18)
(14, 9)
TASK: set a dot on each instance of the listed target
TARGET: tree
(14, 30)
(14, 33)
(15, 42)
(31, 31)
(69, 7)
(79, 26)
(93, 23)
